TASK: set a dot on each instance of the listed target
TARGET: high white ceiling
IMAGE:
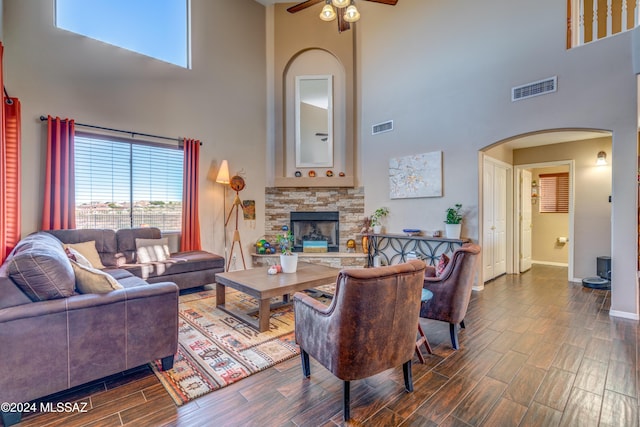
(268, 2)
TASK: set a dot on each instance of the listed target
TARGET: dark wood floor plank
(505, 413)
(445, 400)
(621, 378)
(479, 402)
(525, 385)
(568, 358)
(618, 410)
(598, 349)
(591, 376)
(541, 416)
(555, 388)
(508, 367)
(582, 409)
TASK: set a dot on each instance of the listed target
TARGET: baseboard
(556, 264)
(624, 314)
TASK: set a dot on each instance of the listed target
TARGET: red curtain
(190, 221)
(9, 171)
(59, 192)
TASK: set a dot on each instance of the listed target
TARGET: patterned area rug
(216, 349)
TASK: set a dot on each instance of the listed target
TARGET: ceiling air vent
(382, 127)
(534, 89)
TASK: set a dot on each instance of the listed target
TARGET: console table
(394, 248)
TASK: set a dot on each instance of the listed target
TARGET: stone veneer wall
(349, 202)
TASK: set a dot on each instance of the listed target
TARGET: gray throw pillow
(43, 272)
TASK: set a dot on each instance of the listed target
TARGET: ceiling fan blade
(305, 4)
(389, 2)
(342, 24)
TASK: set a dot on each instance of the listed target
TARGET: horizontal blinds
(122, 184)
(554, 192)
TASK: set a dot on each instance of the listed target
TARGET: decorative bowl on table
(411, 231)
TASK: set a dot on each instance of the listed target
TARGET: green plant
(453, 214)
(285, 241)
(378, 215)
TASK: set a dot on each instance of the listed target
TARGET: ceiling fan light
(352, 14)
(327, 14)
(340, 3)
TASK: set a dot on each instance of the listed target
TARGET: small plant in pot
(453, 222)
(288, 259)
(376, 219)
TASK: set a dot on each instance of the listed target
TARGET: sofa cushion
(181, 262)
(148, 250)
(87, 250)
(105, 239)
(41, 269)
(126, 238)
(125, 278)
(93, 281)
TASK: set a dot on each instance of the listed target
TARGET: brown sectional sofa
(52, 339)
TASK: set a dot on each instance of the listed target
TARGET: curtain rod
(128, 132)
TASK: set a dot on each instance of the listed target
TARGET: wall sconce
(602, 159)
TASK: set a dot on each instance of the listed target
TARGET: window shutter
(554, 192)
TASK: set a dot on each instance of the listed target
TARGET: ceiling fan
(343, 24)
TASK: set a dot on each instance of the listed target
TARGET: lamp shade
(327, 13)
(223, 173)
(340, 3)
(352, 14)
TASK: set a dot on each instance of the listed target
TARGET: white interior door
(488, 232)
(525, 221)
(500, 221)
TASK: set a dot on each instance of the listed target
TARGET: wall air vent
(534, 89)
(382, 127)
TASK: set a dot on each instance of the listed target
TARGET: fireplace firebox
(316, 227)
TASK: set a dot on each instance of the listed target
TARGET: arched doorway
(588, 232)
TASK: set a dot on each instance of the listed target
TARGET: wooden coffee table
(262, 286)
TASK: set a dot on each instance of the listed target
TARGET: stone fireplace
(348, 203)
(315, 227)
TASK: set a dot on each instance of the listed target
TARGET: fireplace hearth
(316, 227)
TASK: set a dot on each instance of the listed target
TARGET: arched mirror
(314, 121)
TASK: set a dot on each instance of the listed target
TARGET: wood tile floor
(537, 351)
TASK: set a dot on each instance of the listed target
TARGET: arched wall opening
(588, 222)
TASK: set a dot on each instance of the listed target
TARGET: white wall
(221, 100)
(444, 75)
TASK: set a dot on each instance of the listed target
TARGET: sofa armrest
(74, 340)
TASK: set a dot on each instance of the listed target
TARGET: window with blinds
(554, 192)
(123, 184)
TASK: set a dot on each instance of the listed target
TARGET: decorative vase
(377, 229)
(289, 263)
(452, 231)
(365, 244)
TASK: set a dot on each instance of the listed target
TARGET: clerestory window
(156, 28)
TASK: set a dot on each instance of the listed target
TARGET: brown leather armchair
(452, 290)
(369, 327)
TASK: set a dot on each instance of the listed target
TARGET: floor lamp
(223, 178)
(237, 184)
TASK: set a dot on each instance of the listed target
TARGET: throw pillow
(43, 272)
(93, 281)
(89, 251)
(152, 250)
(77, 257)
(442, 264)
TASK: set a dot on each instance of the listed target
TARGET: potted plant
(376, 219)
(288, 259)
(453, 222)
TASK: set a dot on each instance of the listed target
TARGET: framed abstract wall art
(418, 175)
